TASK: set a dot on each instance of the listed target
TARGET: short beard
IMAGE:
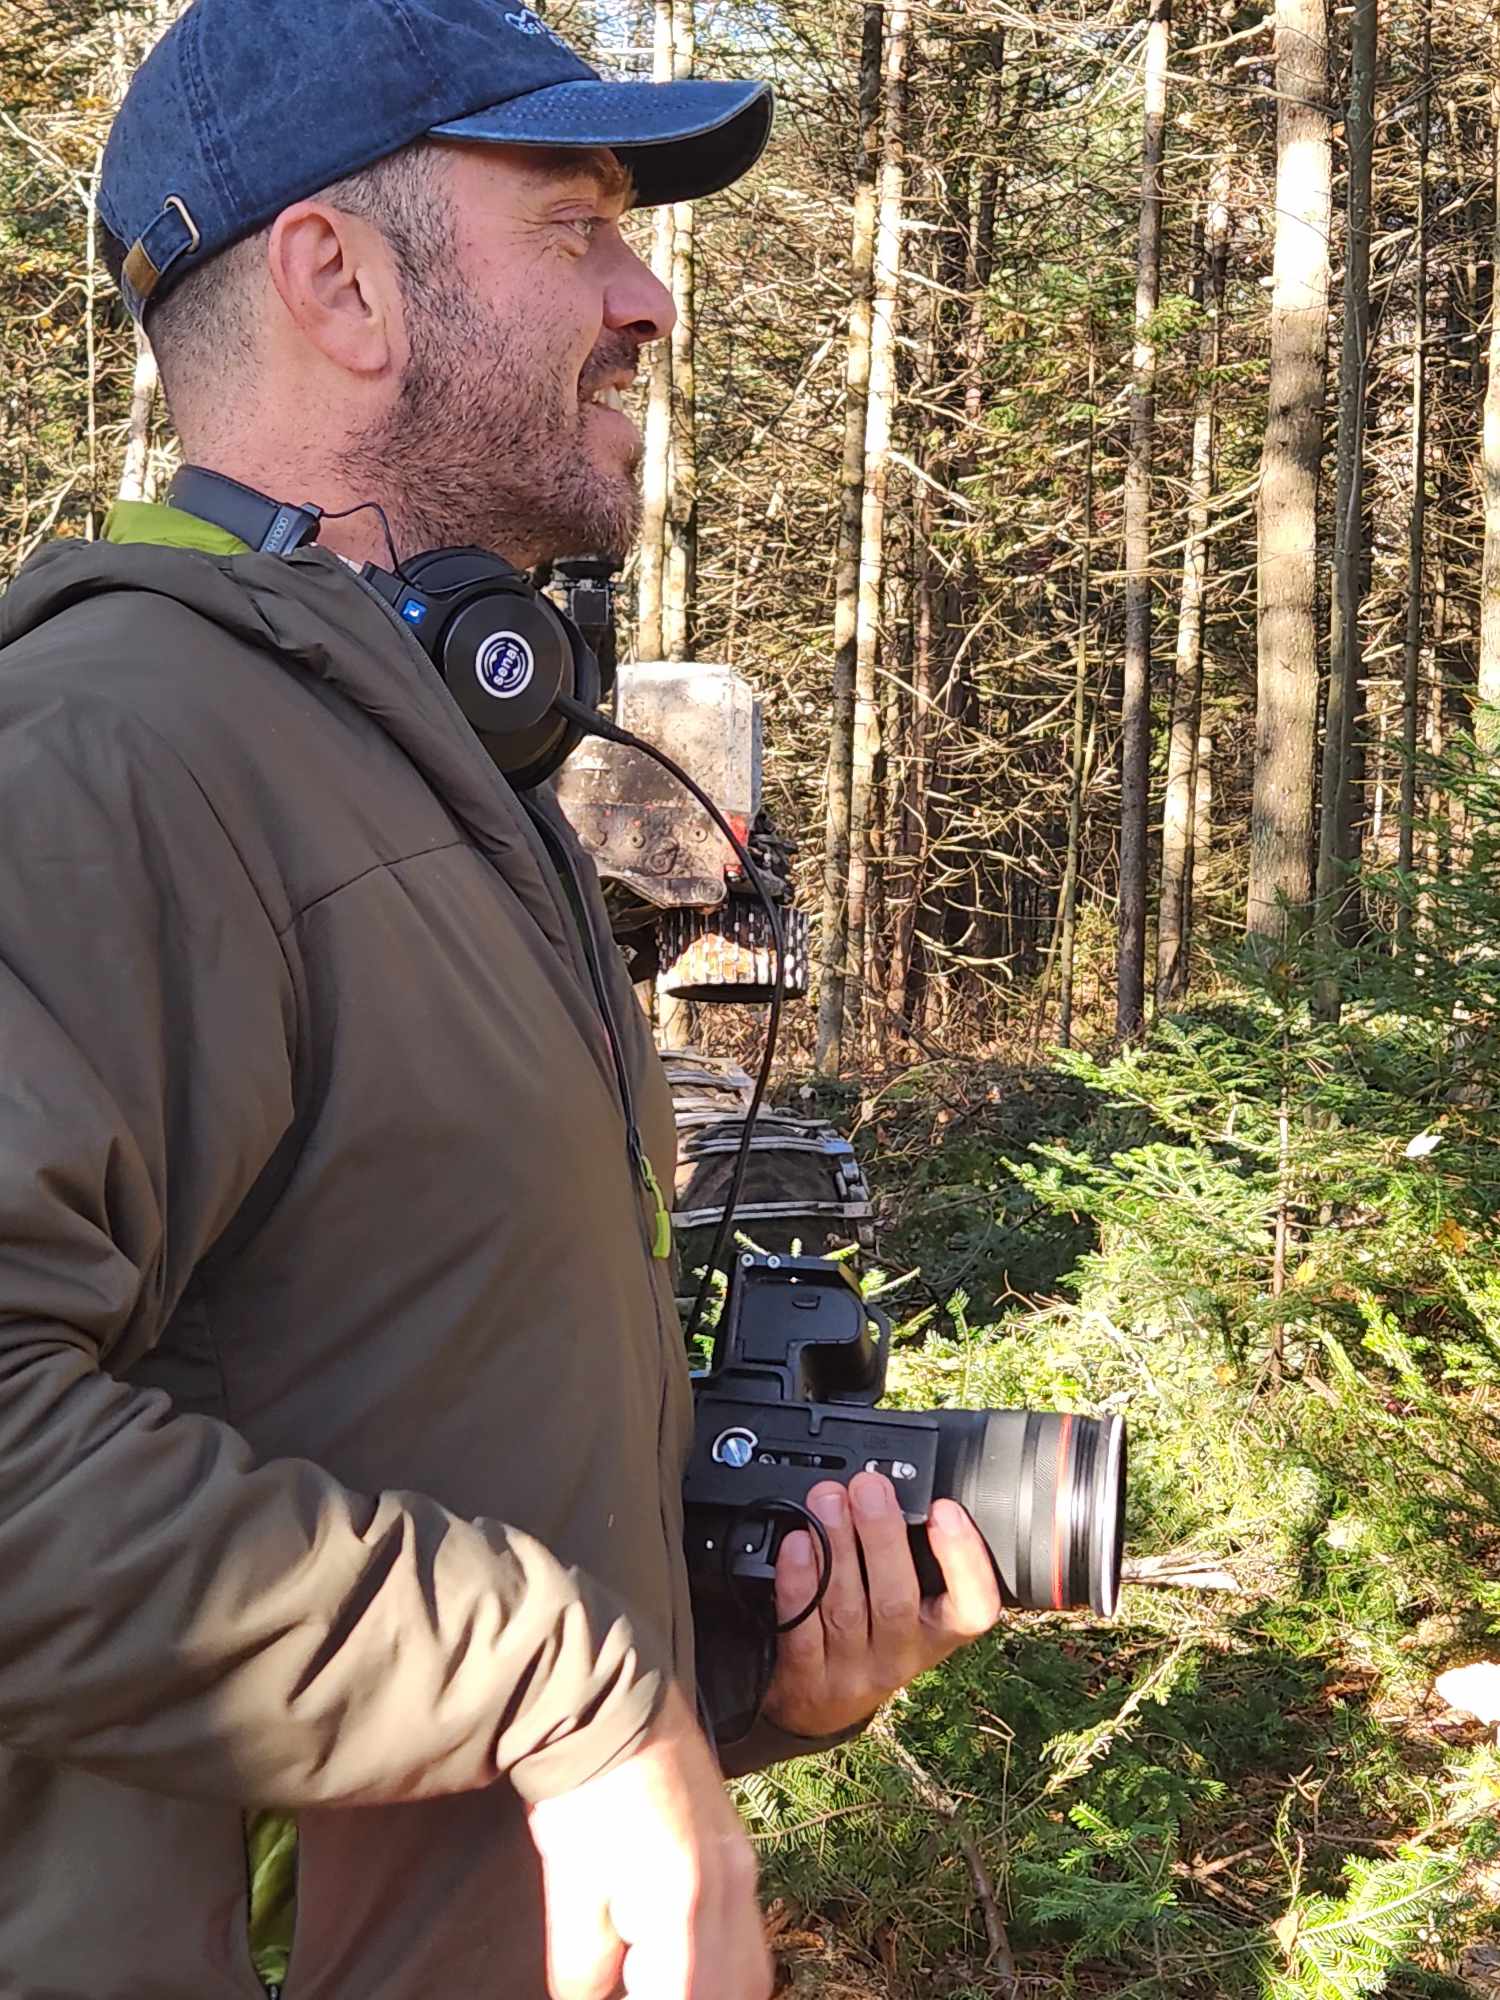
(479, 452)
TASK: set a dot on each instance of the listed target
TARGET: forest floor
(1248, 1791)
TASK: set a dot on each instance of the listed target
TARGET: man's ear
(334, 274)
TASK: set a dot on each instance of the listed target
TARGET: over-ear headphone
(507, 654)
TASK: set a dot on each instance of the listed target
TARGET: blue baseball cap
(245, 106)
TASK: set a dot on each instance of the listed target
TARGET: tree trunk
(1135, 713)
(835, 932)
(1281, 813)
(1200, 847)
(1434, 801)
(1336, 820)
(135, 476)
(679, 609)
(888, 786)
(1078, 758)
(656, 473)
(947, 777)
(1411, 652)
(1487, 722)
(1174, 917)
(878, 423)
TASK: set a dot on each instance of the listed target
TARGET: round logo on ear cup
(504, 665)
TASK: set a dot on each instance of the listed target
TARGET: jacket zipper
(660, 1242)
(661, 1237)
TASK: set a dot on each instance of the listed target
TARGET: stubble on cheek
(488, 444)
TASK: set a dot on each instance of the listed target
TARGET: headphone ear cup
(506, 659)
(506, 653)
(546, 757)
(588, 682)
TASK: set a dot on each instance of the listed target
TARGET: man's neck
(296, 477)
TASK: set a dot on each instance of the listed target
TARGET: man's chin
(606, 525)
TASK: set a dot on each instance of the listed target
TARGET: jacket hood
(311, 612)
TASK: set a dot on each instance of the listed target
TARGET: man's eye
(587, 226)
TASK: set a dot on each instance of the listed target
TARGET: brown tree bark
(1286, 709)
(879, 418)
(1336, 818)
(834, 944)
(1135, 712)
(679, 608)
(1174, 917)
(656, 471)
(1411, 650)
(135, 475)
(1487, 720)
(1200, 850)
(1079, 751)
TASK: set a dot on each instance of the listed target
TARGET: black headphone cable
(595, 724)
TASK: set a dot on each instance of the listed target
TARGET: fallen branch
(946, 1807)
(1178, 1572)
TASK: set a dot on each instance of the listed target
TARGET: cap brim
(679, 140)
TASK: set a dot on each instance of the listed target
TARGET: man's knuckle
(897, 1608)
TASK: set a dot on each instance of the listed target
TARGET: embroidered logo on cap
(529, 24)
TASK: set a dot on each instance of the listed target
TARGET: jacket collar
(312, 612)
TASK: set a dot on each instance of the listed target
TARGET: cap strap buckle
(172, 235)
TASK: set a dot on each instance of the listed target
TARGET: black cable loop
(756, 1510)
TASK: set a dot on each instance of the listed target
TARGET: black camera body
(799, 1363)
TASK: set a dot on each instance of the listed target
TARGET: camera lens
(1047, 1493)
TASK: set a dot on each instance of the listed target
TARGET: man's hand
(872, 1634)
(650, 1880)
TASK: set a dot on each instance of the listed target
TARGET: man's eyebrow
(559, 166)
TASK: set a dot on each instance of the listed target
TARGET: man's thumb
(584, 1952)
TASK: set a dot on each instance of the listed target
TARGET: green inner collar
(169, 527)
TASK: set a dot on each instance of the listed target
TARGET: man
(347, 1641)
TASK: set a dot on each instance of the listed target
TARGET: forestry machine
(687, 920)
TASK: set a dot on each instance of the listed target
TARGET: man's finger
(845, 1610)
(800, 1650)
(970, 1603)
(585, 1957)
(895, 1598)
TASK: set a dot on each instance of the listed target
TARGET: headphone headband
(271, 527)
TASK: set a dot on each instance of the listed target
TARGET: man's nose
(635, 301)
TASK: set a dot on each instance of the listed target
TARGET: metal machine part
(642, 831)
(727, 954)
(790, 1398)
(585, 588)
(679, 901)
(803, 1185)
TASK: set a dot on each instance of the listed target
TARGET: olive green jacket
(342, 1402)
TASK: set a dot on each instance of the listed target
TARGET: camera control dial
(735, 1448)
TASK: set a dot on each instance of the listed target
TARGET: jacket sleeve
(178, 1615)
(732, 1669)
(764, 1745)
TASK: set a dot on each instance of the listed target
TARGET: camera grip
(929, 1574)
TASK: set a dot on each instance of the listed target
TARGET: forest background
(1084, 430)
